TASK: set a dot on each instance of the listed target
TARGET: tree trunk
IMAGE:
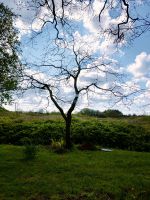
(68, 133)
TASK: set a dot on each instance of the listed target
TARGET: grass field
(76, 175)
(25, 117)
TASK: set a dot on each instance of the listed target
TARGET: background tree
(9, 59)
(97, 113)
(113, 113)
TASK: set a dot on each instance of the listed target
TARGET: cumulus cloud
(86, 43)
(32, 100)
(91, 41)
(148, 84)
(139, 83)
(24, 15)
(141, 66)
(23, 27)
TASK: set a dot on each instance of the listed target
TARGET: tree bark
(68, 142)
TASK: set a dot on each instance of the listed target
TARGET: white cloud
(92, 42)
(86, 43)
(141, 66)
(148, 84)
(31, 101)
(23, 27)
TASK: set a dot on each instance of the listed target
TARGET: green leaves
(9, 55)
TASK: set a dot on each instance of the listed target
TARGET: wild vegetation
(130, 133)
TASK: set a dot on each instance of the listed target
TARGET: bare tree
(67, 61)
(68, 70)
(129, 20)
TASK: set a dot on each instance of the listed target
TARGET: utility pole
(16, 106)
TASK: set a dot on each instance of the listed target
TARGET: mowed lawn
(76, 175)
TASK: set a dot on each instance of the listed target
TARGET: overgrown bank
(120, 134)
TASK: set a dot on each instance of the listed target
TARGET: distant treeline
(97, 113)
(91, 112)
(85, 111)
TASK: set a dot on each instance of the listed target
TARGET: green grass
(74, 175)
(8, 117)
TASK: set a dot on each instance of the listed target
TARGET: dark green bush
(30, 151)
(58, 146)
(91, 112)
(112, 113)
(115, 135)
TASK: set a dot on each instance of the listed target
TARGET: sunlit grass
(73, 175)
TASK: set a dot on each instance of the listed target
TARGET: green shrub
(58, 146)
(111, 134)
(30, 151)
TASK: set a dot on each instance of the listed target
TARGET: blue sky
(133, 60)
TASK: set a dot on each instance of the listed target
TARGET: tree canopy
(97, 113)
(9, 59)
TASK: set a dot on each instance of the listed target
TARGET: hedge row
(115, 135)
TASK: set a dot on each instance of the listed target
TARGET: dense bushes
(109, 134)
(37, 132)
(115, 135)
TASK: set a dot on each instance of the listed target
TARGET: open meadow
(74, 175)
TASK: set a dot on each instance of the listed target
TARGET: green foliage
(112, 113)
(97, 113)
(3, 109)
(58, 146)
(9, 60)
(125, 133)
(30, 152)
(91, 112)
